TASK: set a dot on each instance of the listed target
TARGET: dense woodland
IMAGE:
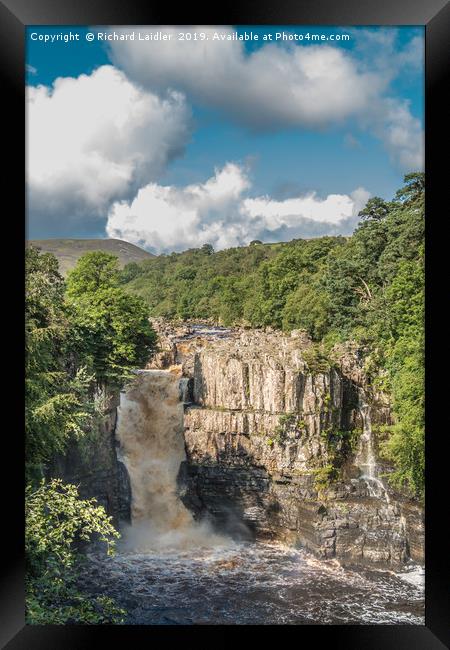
(84, 336)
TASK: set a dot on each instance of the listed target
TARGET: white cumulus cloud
(219, 212)
(272, 86)
(279, 86)
(401, 133)
(95, 139)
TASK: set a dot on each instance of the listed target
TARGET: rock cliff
(273, 441)
(94, 466)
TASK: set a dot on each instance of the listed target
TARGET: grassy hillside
(67, 251)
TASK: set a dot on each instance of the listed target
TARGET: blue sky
(169, 145)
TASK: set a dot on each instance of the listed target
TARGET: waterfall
(185, 396)
(150, 432)
(365, 457)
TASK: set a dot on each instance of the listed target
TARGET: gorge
(244, 426)
(254, 477)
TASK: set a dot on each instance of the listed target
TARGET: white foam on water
(415, 575)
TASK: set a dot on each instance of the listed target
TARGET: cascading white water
(150, 432)
(184, 390)
(365, 457)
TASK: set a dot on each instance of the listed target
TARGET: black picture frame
(15, 16)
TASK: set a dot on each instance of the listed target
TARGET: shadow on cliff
(232, 492)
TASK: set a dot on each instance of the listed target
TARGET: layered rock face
(272, 448)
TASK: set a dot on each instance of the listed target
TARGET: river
(252, 583)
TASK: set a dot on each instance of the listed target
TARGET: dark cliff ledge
(352, 527)
(92, 464)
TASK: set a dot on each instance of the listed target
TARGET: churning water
(171, 569)
(150, 432)
(253, 583)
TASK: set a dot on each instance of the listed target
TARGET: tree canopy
(110, 328)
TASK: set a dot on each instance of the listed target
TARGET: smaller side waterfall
(365, 457)
(185, 390)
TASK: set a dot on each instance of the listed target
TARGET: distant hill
(69, 250)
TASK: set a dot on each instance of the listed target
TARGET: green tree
(57, 521)
(414, 189)
(56, 394)
(110, 332)
(207, 249)
(403, 345)
(375, 210)
(129, 272)
(93, 271)
(307, 308)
